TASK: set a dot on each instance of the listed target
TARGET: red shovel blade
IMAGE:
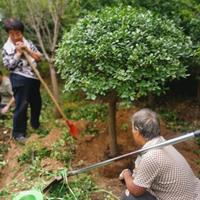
(72, 129)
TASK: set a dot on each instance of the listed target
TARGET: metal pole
(173, 141)
(163, 144)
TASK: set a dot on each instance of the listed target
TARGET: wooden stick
(37, 73)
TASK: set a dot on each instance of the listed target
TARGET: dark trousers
(145, 196)
(26, 92)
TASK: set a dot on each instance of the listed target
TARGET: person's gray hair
(147, 122)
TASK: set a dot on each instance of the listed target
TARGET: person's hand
(19, 50)
(5, 109)
(20, 46)
(124, 173)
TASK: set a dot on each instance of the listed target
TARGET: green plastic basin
(29, 195)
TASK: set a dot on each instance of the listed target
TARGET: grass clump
(79, 188)
(64, 148)
(87, 111)
(33, 151)
(173, 121)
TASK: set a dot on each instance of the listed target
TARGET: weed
(42, 131)
(90, 112)
(33, 170)
(198, 162)
(107, 195)
(91, 129)
(79, 188)
(33, 151)
(4, 193)
(64, 148)
(124, 127)
(173, 121)
(3, 148)
(2, 163)
(125, 104)
(198, 141)
(197, 152)
(71, 97)
(7, 122)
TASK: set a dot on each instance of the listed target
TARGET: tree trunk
(198, 91)
(112, 125)
(150, 100)
(54, 82)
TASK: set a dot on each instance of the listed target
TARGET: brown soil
(92, 149)
(96, 149)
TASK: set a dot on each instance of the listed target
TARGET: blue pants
(145, 196)
(26, 92)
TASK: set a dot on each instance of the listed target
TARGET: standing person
(6, 94)
(25, 85)
(159, 174)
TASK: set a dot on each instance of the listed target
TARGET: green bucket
(29, 195)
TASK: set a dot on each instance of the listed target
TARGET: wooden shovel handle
(37, 73)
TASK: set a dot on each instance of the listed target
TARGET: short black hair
(13, 24)
(1, 73)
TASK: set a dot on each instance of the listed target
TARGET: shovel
(173, 141)
(73, 129)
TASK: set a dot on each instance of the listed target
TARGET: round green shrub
(132, 52)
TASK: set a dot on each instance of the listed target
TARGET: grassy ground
(51, 149)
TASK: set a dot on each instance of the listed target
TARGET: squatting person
(161, 173)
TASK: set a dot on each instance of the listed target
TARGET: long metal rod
(173, 141)
(107, 162)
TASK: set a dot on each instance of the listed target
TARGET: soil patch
(96, 149)
(91, 149)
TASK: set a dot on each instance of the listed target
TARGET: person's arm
(6, 108)
(134, 189)
(36, 55)
(11, 60)
(145, 174)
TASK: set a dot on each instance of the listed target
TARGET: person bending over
(159, 174)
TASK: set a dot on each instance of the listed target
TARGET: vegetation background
(103, 60)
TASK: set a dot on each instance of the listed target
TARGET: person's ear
(136, 131)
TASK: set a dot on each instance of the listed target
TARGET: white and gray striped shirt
(166, 174)
(17, 65)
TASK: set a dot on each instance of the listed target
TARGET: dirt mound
(53, 136)
(190, 114)
(92, 149)
(51, 165)
(12, 169)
